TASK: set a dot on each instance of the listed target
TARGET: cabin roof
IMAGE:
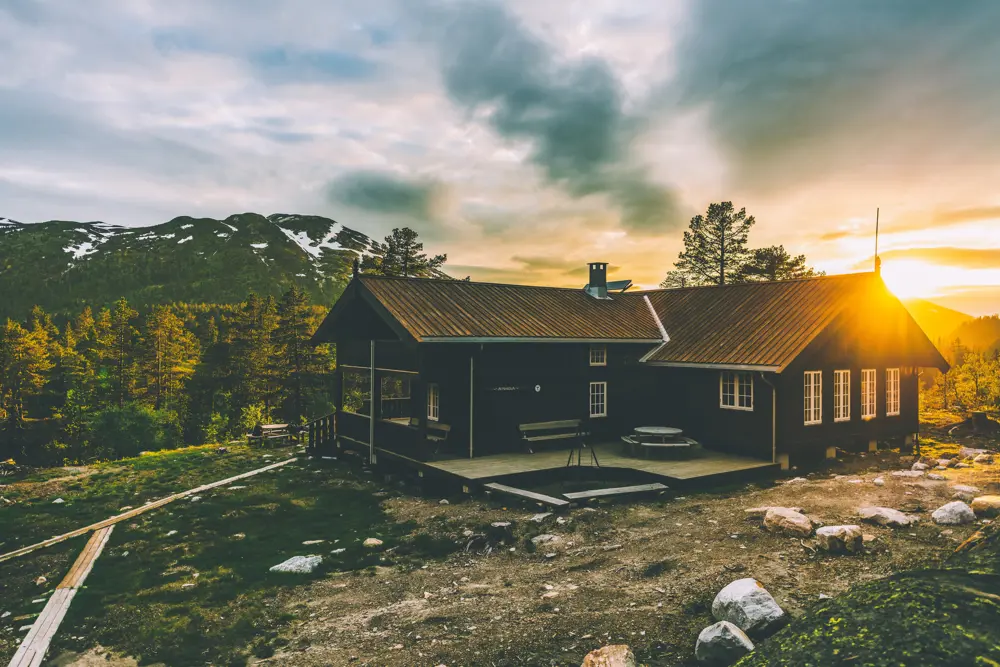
(757, 326)
(434, 310)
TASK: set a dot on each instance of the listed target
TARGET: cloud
(800, 89)
(570, 112)
(974, 214)
(284, 65)
(965, 258)
(386, 193)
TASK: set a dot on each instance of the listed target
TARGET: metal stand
(578, 452)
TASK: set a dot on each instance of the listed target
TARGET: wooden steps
(617, 491)
(527, 495)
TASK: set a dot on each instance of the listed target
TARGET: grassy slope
(136, 600)
(938, 322)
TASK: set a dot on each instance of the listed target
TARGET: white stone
(443, 501)
(947, 463)
(722, 644)
(965, 492)
(748, 605)
(5, 614)
(372, 542)
(983, 458)
(538, 518)
(962, 464)
(311, 542)
(545, 538)
(907, 473)
(988, 506)
(757, 513)
(936, 477)
(796, 480)
(953, 514)
(58, 501)
(840, 539)
(878, 481)
(171, 533)
(919, 466)
(338, 551)
(785, 520)
(298, 564)
(885, 516)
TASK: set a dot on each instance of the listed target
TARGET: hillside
(64, 265)
(938, 322)
(981, 334)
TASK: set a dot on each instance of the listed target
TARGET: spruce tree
(715, 246)
(24, 363)
(300, 364)
(402, 255)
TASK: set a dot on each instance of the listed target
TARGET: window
(736, 390)
(433, 402)
(892, 391)
(598, 355)
(813, 397)
(598, 399)
(868, 393)
(841, 396)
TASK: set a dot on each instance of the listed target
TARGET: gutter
(659, 325)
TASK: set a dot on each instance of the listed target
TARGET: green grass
(136, 601)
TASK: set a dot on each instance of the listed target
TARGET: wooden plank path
(32, 651)
(528, 495)
(617, 491)
(138, 510)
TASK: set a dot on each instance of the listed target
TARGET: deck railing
(321, 432)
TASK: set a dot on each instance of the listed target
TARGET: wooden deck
(610, 456)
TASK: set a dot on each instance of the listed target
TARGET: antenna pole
(877, 262)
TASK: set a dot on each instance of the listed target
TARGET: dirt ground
(642, 573)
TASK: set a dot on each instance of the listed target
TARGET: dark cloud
(801, 88)
(380, 192)
(570, 111)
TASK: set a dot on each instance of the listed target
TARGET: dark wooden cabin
(437, 369)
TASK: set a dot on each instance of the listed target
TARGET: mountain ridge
(65, 265)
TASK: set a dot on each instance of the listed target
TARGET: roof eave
(533, 339)
(718, 367)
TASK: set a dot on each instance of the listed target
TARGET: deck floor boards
(609, 455)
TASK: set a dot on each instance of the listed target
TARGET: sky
(526, 138)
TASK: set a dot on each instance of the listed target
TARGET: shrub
(120, 432)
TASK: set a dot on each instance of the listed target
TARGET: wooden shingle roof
(441, 310)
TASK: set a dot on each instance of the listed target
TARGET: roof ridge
(858, 274)
(478, 282)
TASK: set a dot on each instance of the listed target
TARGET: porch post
(372, 393)
(472, 365)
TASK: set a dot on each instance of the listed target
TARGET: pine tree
(774, 263)
(24, 362)
(252, 350)
(715, 246)
(300, 364)
(123, 340)
(402, 255)
(168, 356)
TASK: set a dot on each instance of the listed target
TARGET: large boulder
(919, 466)
(988, 506)
(885, 516)
(616, 655)
(757, 513)
(747, 604)
(983, 458)
(840, 539)
(965, 493)
(788, 521)
(954, 513)
(298, 565)
(722, 644)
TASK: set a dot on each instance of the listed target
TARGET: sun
(911, 279)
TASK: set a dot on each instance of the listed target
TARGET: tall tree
(402, 255)
(300, 363)
(24, 362)
(168, 356)
(123, 341)
(252, 351)
(774, 263)
(715, 246)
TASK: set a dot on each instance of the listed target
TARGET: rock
(986, 506)
(372, 542)
(757, 513)
(538, 518)
(885, 516)
(443, 501)
(171, 533)
(722, 644)
(878, 481)
(962, 464)
(58, 501)
(311, 542)
(983, 458)
(908, 473)
(616, 655)
(298, 564)
(785, 520)
(796, 480)
(545, 538)
(953, 514)
(919, 466)
(748, 605)
(40, 581)
(840, 539)
(855, 481)
(947, 463)
(338, 551)
(965, 492)
(936, 477)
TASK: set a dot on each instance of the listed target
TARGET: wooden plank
(617, 491)
(529, 495)
(31, 652)
(137, 511)
(538, 426)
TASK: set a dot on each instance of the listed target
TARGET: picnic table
(650, 441)
(657, 433)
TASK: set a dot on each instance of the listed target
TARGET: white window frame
(812, 394)
(869, 394)
(433, 402)
(739, 380)
(892, 382)
(842, 396)
(598, 399)
(598, 355)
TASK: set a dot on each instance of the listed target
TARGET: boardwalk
(31, 653)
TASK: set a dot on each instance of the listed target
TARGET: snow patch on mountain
(258, 246)
(81, 250)
(185, 239)
(304, 241)
(187, 226)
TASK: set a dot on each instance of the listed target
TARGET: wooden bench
(437, 432)
(268, 434)
(568, 429)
